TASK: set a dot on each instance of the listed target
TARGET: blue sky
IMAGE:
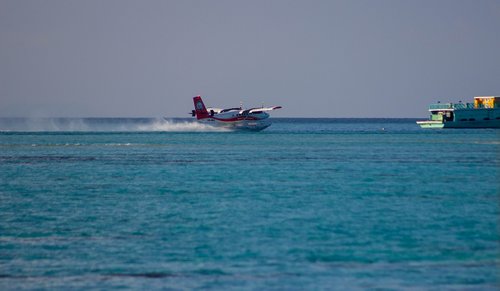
(315, 58)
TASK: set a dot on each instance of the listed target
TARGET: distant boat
(483, 113)
(254, 119)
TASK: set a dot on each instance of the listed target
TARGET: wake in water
(104, 125)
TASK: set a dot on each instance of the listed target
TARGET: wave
(104, 125)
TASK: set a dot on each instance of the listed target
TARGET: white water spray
(179, 126)
(104, 125)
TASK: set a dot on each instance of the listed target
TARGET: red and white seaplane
(233, 118)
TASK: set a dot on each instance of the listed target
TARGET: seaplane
(253, 119)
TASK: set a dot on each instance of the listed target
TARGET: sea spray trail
(103, 125)
(178, 126)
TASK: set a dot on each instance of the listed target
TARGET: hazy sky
(315, 58)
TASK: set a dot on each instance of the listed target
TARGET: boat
(484, 112)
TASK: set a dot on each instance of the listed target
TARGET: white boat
(483, 113)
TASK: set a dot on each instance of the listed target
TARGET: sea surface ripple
(306, 204)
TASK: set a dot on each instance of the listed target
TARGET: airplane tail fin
(200, 109)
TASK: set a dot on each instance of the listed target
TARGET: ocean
(307, 204)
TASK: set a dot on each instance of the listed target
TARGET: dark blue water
(305, 204)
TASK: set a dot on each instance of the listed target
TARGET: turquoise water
(305, 204)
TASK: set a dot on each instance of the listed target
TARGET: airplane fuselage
(254, 119)
(237, 119)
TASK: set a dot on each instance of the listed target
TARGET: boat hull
(459, 124)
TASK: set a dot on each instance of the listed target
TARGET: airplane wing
(264, 109)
